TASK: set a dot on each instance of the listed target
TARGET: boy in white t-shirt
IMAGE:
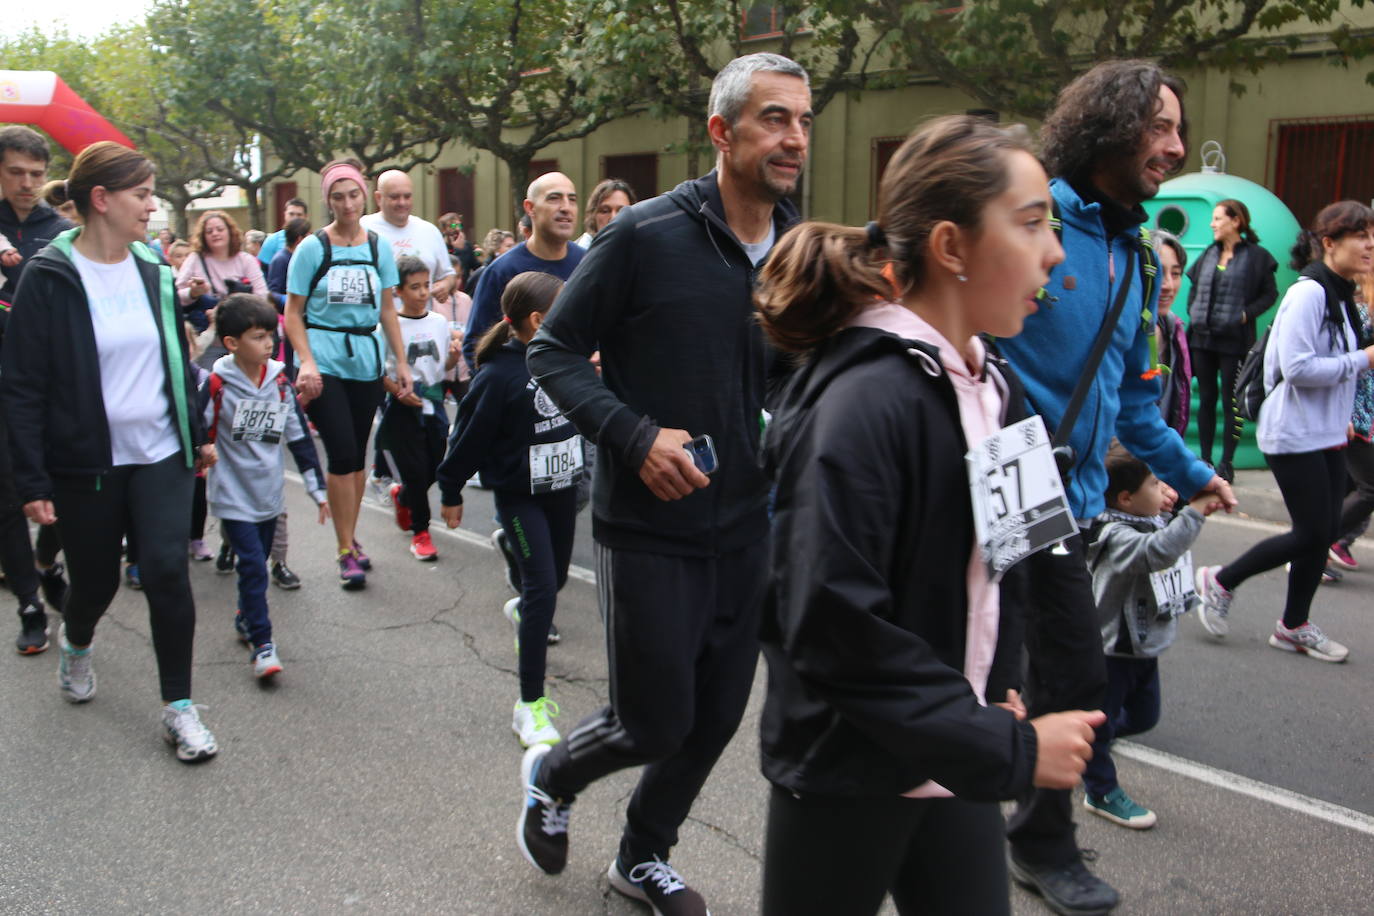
(414, 429)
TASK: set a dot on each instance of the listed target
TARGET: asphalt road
(379, 775)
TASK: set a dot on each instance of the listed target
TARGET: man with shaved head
(551, 205)
(407, 233)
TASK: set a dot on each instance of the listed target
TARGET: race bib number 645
(1018, 498)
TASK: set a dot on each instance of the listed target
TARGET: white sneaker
(531, 722)
(1308, 639)
(381, 489)
(1216, 602)
(183, 729)
(75, 675)
(265, 661)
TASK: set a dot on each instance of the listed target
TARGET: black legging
(1313, 485)
(827, 856)
(1359, 503)
(540, 530)
(153, 503)
(343, 415)
(1206, 366)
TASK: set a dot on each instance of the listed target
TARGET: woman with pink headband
(338, 289)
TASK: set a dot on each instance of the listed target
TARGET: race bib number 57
(1018, 498)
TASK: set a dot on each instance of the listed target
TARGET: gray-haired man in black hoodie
(664, 293)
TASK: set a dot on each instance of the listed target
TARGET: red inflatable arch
(40, 98)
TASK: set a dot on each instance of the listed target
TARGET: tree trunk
(519, 168)
(698, 142)
(180, 224)
(255, 214)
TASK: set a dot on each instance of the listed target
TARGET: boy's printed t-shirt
(348, 296)
(133, 380)
(257, 421)
(426, 342)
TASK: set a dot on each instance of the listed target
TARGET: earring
(962, 278)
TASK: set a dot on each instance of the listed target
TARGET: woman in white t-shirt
(105, 436)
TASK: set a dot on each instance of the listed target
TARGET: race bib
(1018, 498)
(349, 286)
(259, 421)
(1174, 591)
(555, 465)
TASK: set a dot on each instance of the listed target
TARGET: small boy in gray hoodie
(1142, 571)
(251, 411)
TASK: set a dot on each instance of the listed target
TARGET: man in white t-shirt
(409, 234)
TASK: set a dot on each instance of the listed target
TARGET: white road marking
(1234, 782)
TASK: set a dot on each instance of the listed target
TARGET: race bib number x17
(1018, 497)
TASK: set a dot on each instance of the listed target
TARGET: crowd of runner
(774, 423)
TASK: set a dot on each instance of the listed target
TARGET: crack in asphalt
(729, 837)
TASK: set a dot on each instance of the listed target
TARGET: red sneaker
(402, 510)
(1340, 555)
(422, 548)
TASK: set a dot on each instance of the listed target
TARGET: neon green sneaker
(531, 722)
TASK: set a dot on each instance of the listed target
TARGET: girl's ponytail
(527, 293)
(818, 277)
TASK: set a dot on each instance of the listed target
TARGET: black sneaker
(54, 584)
(554, 636)
(33, 629)
(513, 578)
(224, 563)
(284, 577)
(1226, 472)
(1070, 890)
(658, 884)
(543, 827)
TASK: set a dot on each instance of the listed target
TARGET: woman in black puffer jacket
(1232, 286)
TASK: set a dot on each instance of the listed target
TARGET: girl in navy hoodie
(531, 458)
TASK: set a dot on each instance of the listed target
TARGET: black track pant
(1313, 485)
(830, 856)
(540, 531)
(1207, 365)
(1359, 502)
(412, 445)
(16, 551)
(153, 503)
(1067, 671)
(682, 641)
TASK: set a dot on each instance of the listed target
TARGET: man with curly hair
(1115, 134)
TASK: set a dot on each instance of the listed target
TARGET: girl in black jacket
(883, 632)
(1232, 286)
(103, 432)
(531, 458)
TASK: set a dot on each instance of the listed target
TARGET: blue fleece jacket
(1056, 342)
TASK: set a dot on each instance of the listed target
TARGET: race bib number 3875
(259, 421)
(1018, 498)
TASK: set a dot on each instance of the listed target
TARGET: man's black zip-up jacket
(866, 615)
(50, 385)
(500, 417)
(29, 237)
(665, 293)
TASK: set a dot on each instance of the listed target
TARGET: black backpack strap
(325, 261)
(372, 246)
(1085, 381)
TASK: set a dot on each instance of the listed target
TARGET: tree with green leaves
(1014, 55)
(302, 77)
(669, 51)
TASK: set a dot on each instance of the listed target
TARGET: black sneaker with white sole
(658, 884)
(502, 544)
(54, 584)
(33, 629)
(542, 831)
(283, 577)
(224, 563)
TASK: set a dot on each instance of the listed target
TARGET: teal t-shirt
(348, 296)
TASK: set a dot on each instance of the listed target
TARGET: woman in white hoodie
(1314, 354)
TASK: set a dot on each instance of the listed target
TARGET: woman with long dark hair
(104, 432)
(1314, 354)
(1232, 286)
